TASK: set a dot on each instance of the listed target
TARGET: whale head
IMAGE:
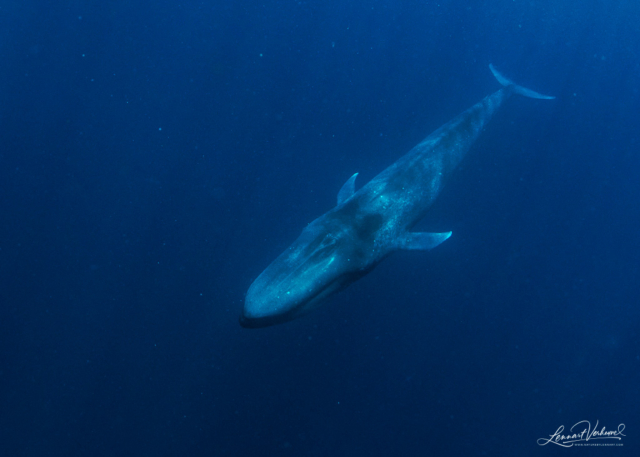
(323, 260)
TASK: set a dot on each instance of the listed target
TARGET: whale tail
(517, 89)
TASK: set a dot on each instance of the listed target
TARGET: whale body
(366, 226)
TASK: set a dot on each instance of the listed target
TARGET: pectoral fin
(422, 241)
(347, 190)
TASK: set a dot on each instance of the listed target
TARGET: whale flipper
(422, 241)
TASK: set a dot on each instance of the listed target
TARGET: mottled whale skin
(348, 241)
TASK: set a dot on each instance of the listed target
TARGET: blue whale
(366, 226)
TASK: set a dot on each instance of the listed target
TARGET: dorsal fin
(347, 190)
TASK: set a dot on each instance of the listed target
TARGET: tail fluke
(518, 89)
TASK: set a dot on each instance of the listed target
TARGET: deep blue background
(155, 156)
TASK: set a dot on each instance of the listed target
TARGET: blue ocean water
(155, 157)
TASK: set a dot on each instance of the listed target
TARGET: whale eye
(322, 246)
